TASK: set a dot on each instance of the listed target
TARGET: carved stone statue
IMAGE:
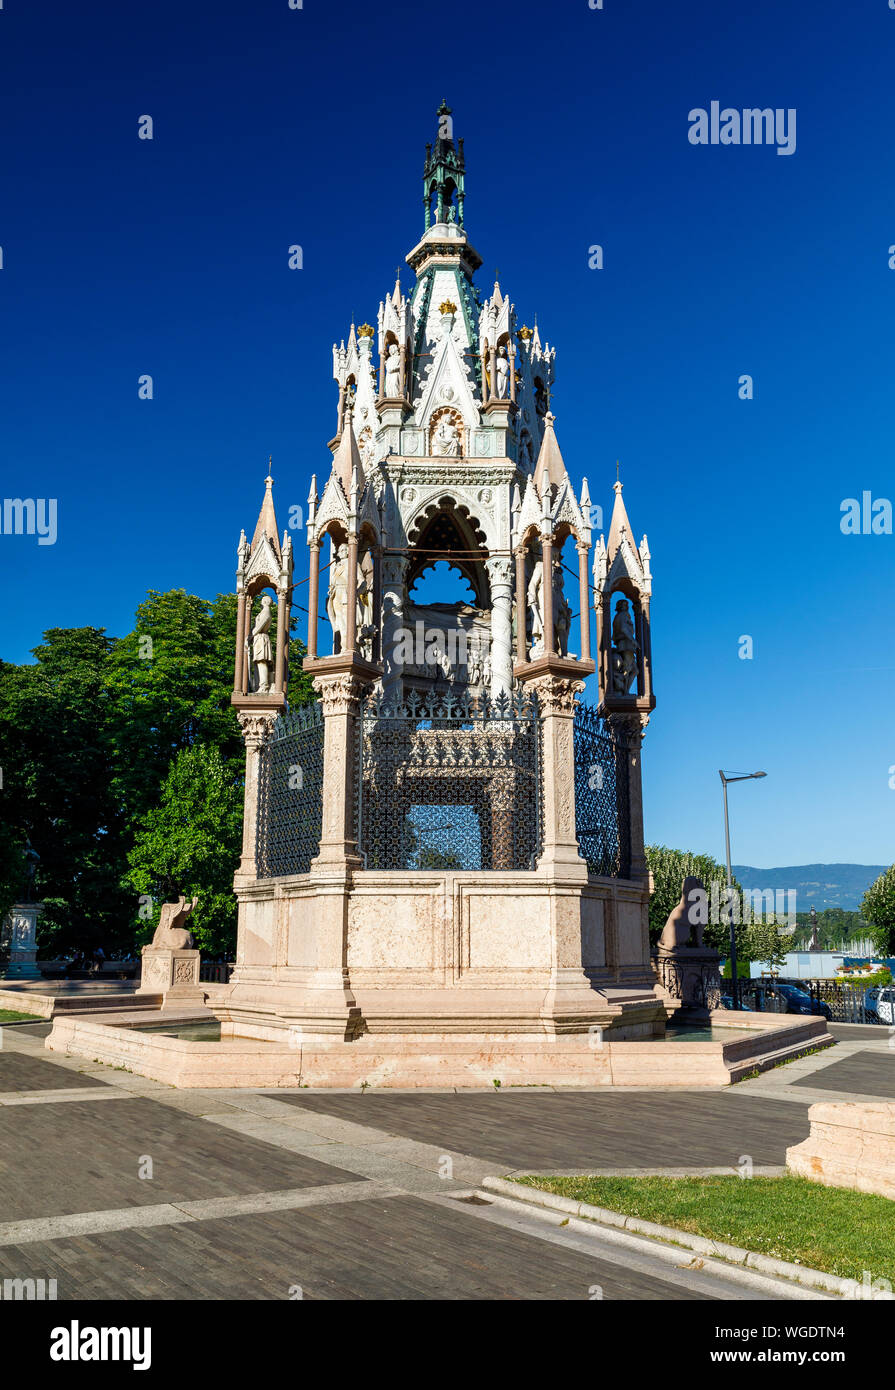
(689, 973)
(683, 920)
(170, 931)
(624, 650)
(446, 440)
(337, 597)
(393, 374)
(534, 598)
(503, 373)
(337, 602)
(262, 653)
(562, 613)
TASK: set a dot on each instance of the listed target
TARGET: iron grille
(290, 793)
(449, 782)
(602, 822)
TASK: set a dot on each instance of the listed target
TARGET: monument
(689, 970)
(20, 926)
(443, 875)
(170, 964)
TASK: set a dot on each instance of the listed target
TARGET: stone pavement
(118, 1186)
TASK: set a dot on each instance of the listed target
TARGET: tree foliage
(189, 843)
(878, 908)
(669, 868)
(89, 733)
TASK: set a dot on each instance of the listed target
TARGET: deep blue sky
(276, 126)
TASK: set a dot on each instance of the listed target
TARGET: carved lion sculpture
(170, 931)
(684, 919)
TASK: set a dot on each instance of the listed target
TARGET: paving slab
(87, 1156)
(864, 1074)
(21, 1072)
(565, 1130)
(391, 1248)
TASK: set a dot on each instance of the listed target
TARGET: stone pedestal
(691, 979)
(21, 924)
(175, 974)
(850, 1145)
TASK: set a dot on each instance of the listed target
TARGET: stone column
(246, 639)
(282, 640)
(583, 602)
(340, 695)
(394, 579)
(629, 730)
(521, 609)
(256, 726)
(557, 698)
(240, 640)
(22, 926)
(547, 592)
(313, 598)
(351, 600)
(500, 572)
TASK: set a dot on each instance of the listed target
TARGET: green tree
(55, 755)
(669, 868)
(878, 908)
(189, 843)
(762, 941)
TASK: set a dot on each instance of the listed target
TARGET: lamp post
(734, 981)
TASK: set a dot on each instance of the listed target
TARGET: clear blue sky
(276, 126)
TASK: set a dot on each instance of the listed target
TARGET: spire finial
(269, 479)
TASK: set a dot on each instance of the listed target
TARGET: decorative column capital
(340, 694)
(256, 726)
(500, 569)
(556, 694)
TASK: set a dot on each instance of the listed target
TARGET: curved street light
(725, 778)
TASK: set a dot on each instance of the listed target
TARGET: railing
(449, 782)
(602, 818)
(214, 972)
(290, 793)
(853, 1003)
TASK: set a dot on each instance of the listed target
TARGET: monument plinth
(21, 925)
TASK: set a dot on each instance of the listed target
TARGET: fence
(214, 972)
(602, 820)
(290, 793)
(853, 1003)
(449, 782)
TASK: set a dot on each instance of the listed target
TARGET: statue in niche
(624, 650)
(542, 400)
(337, 603)
(474, 668)
(393, 374)
(562, 613)
(446, 439)
(503, 373)
(535, 600)
(262, 652)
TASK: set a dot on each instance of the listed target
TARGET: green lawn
(829, 1228)
(12, 1016)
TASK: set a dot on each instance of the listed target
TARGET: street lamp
(743, 777)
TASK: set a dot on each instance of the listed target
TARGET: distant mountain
(817, 885)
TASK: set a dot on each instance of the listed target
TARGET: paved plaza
(357, 1195)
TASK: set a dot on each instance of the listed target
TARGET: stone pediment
(448, 386)
(263, 562)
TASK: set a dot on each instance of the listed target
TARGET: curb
(700, 1245)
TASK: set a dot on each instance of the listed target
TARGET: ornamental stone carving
(339, 694)
(556, 694)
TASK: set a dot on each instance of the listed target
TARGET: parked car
(885, 1005)
(780, 997)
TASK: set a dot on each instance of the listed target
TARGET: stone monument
(443, 877)
(20, 927)
(170, 962)
(689, 970)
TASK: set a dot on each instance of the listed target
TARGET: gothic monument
(443, 877)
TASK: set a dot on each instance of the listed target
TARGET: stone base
(440, 1060)
(20, 927)
(850, 1145)
(690, 981)
(173, 974)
